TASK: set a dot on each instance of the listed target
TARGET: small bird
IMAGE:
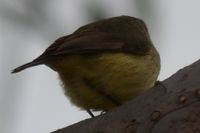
(103, 64)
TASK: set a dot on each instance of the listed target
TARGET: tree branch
(172, 106)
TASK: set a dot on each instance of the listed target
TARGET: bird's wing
(93, 42)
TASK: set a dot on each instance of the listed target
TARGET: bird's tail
(27, 65)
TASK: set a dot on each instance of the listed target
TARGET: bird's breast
(119, 75)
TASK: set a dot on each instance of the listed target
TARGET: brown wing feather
(95, 42)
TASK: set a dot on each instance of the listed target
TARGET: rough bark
(172, 106)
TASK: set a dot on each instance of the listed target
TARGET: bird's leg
(160, 83)
(100, 91)
(90, 113)
(157, 82)
(102, 112)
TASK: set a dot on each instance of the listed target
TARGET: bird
(103, 64)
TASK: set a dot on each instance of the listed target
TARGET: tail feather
(27, 65)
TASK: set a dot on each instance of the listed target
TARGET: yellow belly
(88, 78)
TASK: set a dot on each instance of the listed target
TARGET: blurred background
(32, 101)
